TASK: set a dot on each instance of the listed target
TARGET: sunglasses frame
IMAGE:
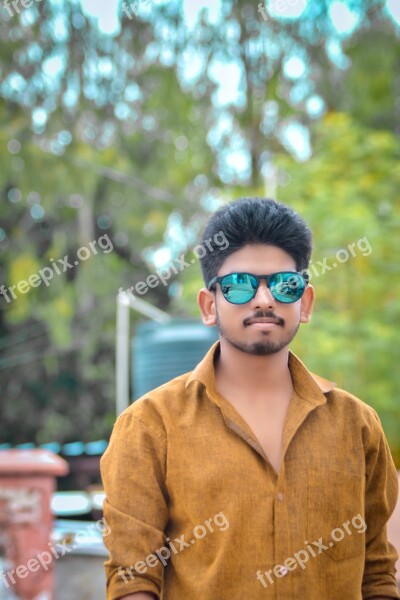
(303, 275)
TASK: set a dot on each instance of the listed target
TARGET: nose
(263, 298)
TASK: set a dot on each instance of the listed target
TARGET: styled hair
(254, 221)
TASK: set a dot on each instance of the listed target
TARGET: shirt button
(284, 570)
(280, 496)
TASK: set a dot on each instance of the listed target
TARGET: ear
(206, 302)
(307, 304)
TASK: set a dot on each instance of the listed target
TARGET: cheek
(290, 313)
(230, 314)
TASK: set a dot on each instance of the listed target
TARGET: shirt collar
(309, 386)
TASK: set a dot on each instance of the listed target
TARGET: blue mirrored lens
(239, 288)
(287, 287)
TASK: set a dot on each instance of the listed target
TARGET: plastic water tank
(164, 351)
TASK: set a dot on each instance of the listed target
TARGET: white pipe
(125, 302)
(122, 355)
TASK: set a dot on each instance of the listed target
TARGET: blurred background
(123, 126)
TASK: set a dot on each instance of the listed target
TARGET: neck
(251, 373)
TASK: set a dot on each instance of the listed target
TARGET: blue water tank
(164, 351)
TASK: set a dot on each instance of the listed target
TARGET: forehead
(259, 259)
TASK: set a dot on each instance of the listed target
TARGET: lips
(264, 320)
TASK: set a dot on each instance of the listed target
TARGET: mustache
(268, 315)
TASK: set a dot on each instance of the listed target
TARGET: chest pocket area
(336, 512)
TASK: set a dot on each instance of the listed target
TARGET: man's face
(234, 321)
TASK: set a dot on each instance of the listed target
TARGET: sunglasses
(239, 288)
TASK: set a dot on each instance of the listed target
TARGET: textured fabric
(185, 475)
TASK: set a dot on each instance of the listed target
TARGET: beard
(264, 347)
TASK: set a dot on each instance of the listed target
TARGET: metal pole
(126, 302)
(122, 354)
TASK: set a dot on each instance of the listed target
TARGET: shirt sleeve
(380, 500)
(136, 507)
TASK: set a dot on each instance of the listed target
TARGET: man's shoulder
(352, 406)
(307, 381)
(169, 396)
(343, 396)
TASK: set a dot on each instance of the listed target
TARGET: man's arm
(136, 505)
(379, 581)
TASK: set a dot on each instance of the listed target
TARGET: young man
(250, 477)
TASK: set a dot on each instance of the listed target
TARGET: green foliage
(143, 151)
(348, 193)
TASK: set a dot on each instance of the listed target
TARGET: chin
(262, 348)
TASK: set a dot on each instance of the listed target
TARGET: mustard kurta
(197, 512)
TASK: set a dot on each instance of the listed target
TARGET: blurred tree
(57, 350)
(138, 134)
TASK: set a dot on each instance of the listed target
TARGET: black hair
(254, 221)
